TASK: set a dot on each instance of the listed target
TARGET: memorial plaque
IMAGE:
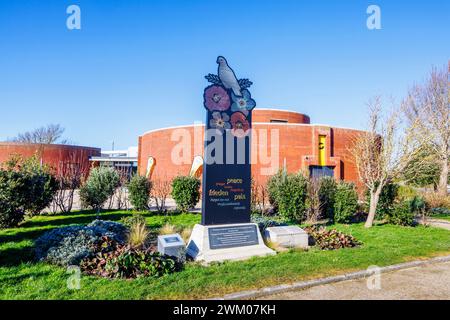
(172, 239)
(226, 169)
(236, 236)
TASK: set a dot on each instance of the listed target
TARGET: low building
(56, 156)
(124, 161)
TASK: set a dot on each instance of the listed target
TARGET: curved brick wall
(298, 147)
(271, 115)
(51, 154)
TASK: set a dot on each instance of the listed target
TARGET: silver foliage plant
(69, 245)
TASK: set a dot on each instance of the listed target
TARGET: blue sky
(139, 65)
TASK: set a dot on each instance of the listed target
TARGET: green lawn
(382, 245)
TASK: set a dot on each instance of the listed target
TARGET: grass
(20, 278)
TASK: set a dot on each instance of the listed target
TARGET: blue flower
(244, 103)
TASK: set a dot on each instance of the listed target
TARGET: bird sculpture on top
(227, 78)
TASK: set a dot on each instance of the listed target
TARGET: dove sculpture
(227, 76)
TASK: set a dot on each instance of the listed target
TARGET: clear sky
(139, 65)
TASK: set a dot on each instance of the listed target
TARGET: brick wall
(298, 147)
(51, 154)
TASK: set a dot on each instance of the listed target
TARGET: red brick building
(279, 139)
(53, 155)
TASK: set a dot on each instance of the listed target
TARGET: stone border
(252, 294)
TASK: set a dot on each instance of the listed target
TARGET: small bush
(139, 189)
(265, 222)
(346, 202)
(439, 211)
(138, 235)
(327, 195)
(186, 234)
(185, 192)
(69, 245)
(42, 185)
(386, 201)
(133, 219)
(273, 186)
(331, 239)
(406, 192)
(26, 187)
(10, 216)
(289, 193)
(167, 229)
(401, 214)
(129, 262)
(436, 200)
(99, 187)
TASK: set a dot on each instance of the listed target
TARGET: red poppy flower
(239, 125)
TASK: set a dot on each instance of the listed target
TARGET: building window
(278, 121)
(321, 171)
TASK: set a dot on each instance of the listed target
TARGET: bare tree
(49, 134)
(160, 191)
(69, 174)
(381, 153)
(259, 196)
(121, 195)
(427, 109)
(315, 205)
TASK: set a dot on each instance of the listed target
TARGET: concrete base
(287, 236)
(199, 247)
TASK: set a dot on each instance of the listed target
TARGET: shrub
(273, 186)
(167, 229)
(42, 185)
(290, 196)
(69, 245)
(185, 192)
(10, 216)
(436, 200)
(331, 239)
(100, 185)
(401, 214)
(25, 187)
(265, 222)
(405, 192)
(327, 195)
(386, 201)
(128, 262)
(186, 234)
(440, 211)
(133, 219)
(346, 202)
(139, 189)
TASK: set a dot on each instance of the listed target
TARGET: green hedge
(185, 192)
(139, 189)
(346, 202)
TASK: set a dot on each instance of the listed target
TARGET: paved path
(439, 223)
(431, 281)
